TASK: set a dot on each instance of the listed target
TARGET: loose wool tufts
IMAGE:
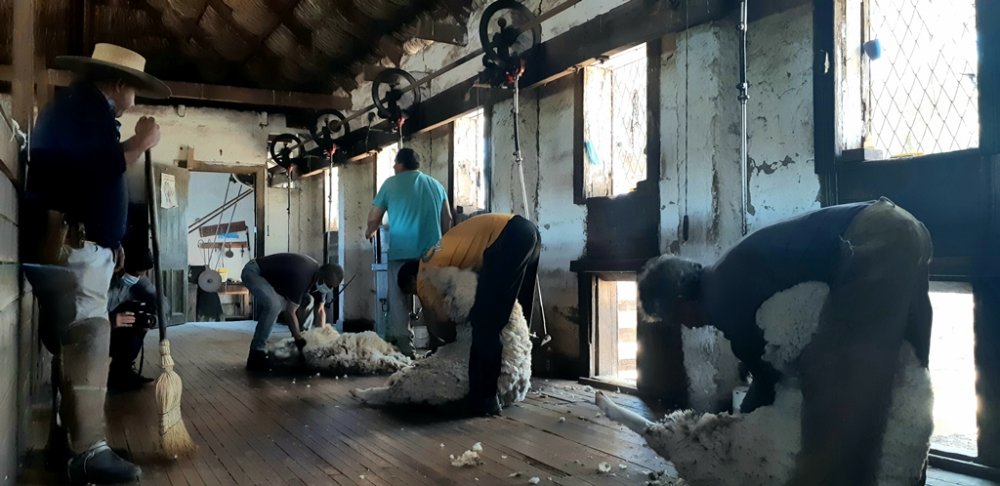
(443, 377)
(760, 448)
(327, 350)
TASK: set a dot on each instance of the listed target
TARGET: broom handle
(161, 316)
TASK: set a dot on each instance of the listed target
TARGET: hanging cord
(686, 221)
(229, 226)
(218, 227)
(288, 209)
(518, 159)
(743, 97)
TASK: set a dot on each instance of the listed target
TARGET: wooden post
(23, 53)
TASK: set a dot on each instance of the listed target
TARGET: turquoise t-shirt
(413, 200)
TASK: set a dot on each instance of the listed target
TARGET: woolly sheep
(327, 350)
(443, 377)
(760, 448)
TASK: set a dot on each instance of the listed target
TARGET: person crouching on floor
(132, 312)
(284, 281)
(503, 250)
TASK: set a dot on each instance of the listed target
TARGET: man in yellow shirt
(503, 250)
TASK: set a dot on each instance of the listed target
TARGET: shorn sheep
(761, 448)
(443, 377)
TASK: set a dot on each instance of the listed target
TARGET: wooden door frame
(259, 186)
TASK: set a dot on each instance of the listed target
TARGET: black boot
(100, 465)
(258, 361)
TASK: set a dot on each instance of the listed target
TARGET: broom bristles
(174, 438)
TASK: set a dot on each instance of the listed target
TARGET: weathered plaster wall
(700, 131)
(303, 219)
(357, 186)
(783, 180)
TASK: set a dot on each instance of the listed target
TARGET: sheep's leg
(372, 396)
(628, 418)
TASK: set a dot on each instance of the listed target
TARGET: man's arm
(293, 326)
(445, 217)
(320, 317)
(374, 221)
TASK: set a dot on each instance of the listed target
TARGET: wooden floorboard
(309, 430)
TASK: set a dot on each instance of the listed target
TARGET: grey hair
(666, 280)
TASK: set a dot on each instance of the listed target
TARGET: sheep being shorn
(443, 377)
(761, 448)
(329, 351)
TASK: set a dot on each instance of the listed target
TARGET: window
(953, 369)
(919, 88)
(617, 327)
(469, 172)
(614, 124)
(384, 161)
(332, 203)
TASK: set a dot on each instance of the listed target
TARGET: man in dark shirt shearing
(874, 257)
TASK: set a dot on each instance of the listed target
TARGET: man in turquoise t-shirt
(418, 215)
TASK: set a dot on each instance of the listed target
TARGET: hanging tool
(174, 438)
(743, 97)
(503, 59)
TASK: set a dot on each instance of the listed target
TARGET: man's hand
(119, 258)
(147, 133)
(123, 319)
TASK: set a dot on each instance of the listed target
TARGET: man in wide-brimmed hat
(77, 170)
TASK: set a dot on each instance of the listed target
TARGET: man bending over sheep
(285, 281)
(503, 249)
(874, 256)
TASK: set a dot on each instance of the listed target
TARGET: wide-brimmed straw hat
(112, 59)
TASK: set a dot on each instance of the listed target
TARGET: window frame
(652, 149)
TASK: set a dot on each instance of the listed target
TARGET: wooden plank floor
(309, 430)
(280, 430)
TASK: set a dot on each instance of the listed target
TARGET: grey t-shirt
(801, 249)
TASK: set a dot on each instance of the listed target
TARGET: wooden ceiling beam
(441, 31)
(219, 93)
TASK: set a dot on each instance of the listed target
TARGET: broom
(174, 438)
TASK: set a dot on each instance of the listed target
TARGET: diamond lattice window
(923, 95)
(614, 129)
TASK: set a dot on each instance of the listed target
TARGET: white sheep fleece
(327, 350)
(444, 376)
(760, 448)
(711, 367)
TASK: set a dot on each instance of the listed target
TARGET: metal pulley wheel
(285, 150)
(209, 280)
(507, 31)
(328, 126)
(394, 93)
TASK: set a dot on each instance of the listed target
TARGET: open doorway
(222, 230)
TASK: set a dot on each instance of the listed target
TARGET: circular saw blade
(209, 281)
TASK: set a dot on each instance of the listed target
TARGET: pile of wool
(327, 350)
(443, 377)
(760, 448)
